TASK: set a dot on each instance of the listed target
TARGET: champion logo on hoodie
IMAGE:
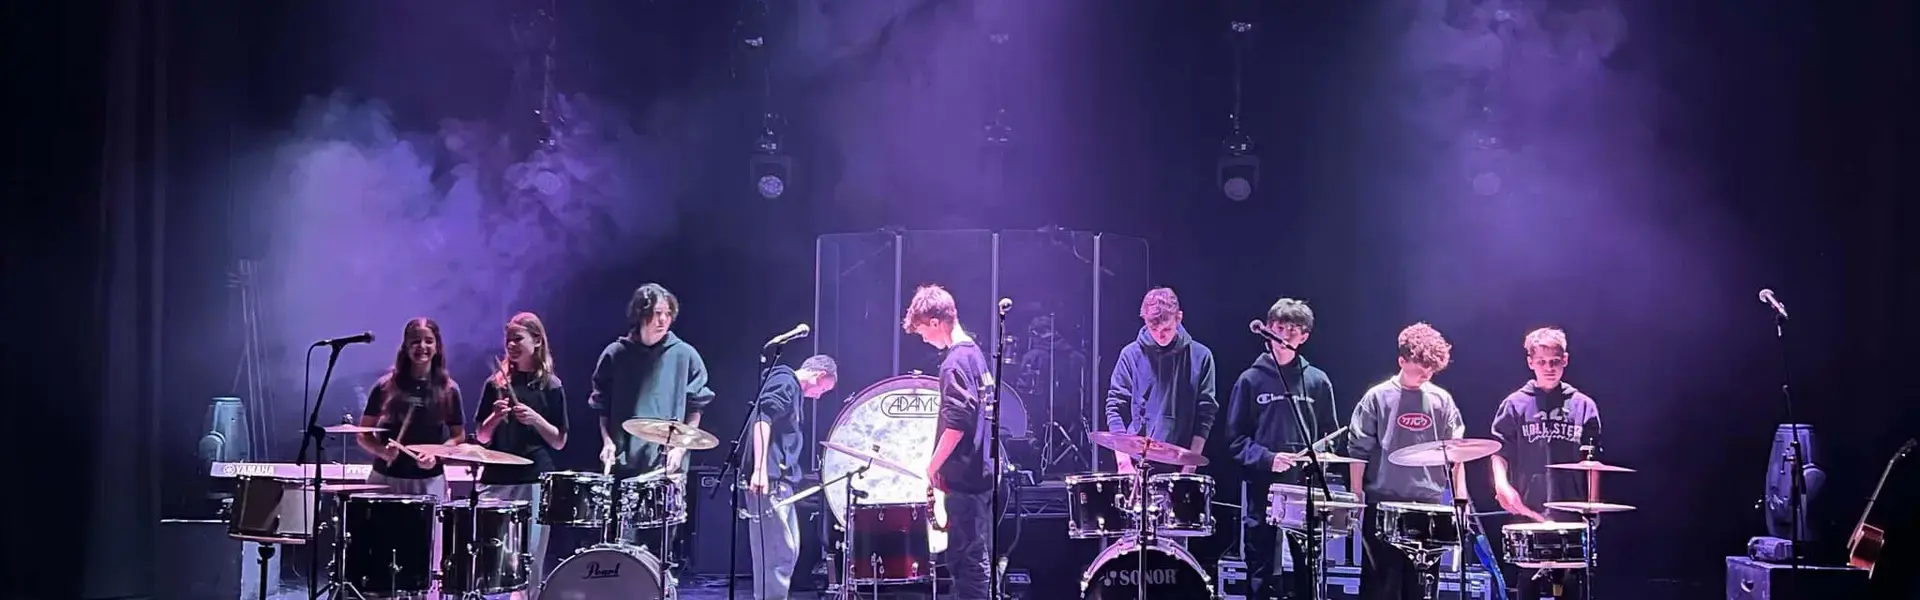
(1415, 421)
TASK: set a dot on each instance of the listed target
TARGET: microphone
(1260, 329)
(1006, 304)
(798, 331)
(1766, 297)
(364, 337)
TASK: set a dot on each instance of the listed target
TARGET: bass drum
(899, 416)
(605, 571)
(1170, 573)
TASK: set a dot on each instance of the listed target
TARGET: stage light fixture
(1238, 170)
(770, 167)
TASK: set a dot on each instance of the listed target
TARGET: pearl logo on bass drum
(595, 571)
(1415, 421)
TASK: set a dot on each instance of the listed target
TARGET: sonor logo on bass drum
(1126, 578)
(1415, 421)
(911, 405)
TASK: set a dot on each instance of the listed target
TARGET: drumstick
(1336, 433)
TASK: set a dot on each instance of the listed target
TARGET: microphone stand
(993, 455)
(317, 437)
(1315, 479)
(730, 466)
(1796, 460)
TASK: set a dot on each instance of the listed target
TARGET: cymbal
(874, 457)
(1156, 451)
(672, 434)
(1590, 508)
(1590, 465)
(345, 428)
(469, 453)
(1443, 452)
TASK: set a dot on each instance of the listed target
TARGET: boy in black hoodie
(1264, 413)
(959, 466)
(647, 373)
(1162, 384)
(1545, 422)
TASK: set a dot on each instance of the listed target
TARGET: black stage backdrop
(115, 246)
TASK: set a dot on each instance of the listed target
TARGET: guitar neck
(1878, 487)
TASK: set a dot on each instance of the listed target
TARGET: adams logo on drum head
(919, 404)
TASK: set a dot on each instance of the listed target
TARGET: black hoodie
(1537, 428)
(1163, 392)
(1261, 421)
(667, 380)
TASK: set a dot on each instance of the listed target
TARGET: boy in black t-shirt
(959, 466)
(523, 412)
(416, 402)
(1545, 422)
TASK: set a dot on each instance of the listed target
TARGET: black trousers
(1264, 544)
(969, 524)
(1385, 572)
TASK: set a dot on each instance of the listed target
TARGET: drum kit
(385, 547)
(1425, 531)
(1148, 513)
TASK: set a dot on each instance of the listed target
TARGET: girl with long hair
(523, 412)
(416, 402)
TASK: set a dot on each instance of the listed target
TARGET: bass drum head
(1170, 573)
(605, 571)
(900, 416)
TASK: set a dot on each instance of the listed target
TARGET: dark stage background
(1748, 146)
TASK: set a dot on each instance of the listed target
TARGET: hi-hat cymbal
(1590, 508)
(1444, 452)
(1156, 451)
(1590, 465)
(672, 434)
(345, 428)
(872, 456)
(469, 453)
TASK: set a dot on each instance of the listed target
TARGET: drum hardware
(1590, 510)
(1445, 454)
(993, 444)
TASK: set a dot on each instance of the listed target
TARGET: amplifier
(714, 528)
(1749, 579)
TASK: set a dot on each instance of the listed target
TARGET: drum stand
(337, 584)
(846, 538)
(1586, 581)
(1146, 535)
(473, 541)
(266, 554)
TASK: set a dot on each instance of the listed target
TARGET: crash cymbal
(872, 456)
(1590, 465)
(1443, 452)
(1152, 450)
(345, 429)
(672, 434)
(469, 453)
(1590, 508)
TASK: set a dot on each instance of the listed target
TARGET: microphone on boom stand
(732, 466)
(994, 565)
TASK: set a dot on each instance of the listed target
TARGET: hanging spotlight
(772, 169)
(1238, 170)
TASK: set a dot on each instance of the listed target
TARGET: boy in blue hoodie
(1162, 384)
(1264, 413)
(1545, 422)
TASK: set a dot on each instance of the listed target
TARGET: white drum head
(900, 416)
(605, 571)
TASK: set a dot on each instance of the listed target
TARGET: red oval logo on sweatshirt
(1415, 421)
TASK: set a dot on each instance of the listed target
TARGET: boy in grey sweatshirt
(1400, 412)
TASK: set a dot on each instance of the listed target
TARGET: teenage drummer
(416, 402)
(1163, 382)
(1545, 422)
(1397, 413)
(1270, 400)
(523, 412)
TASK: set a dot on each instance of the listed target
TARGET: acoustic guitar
(1870, 536)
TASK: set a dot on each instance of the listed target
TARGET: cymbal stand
(1142, 508)
(473, 542)
(1460, 513)
(854, 494)
(266, 554)
(1592, 521)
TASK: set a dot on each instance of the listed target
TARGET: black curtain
(85, 201)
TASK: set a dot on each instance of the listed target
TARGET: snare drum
(1287, 509)
(503, 562)
(889, 544)
(1416, 526)
(652, 503)
(1546, 545)
(1182, 504)
(606, 571)
(389, 548)
(272, 510)
(1100, 505)
(575, 499)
